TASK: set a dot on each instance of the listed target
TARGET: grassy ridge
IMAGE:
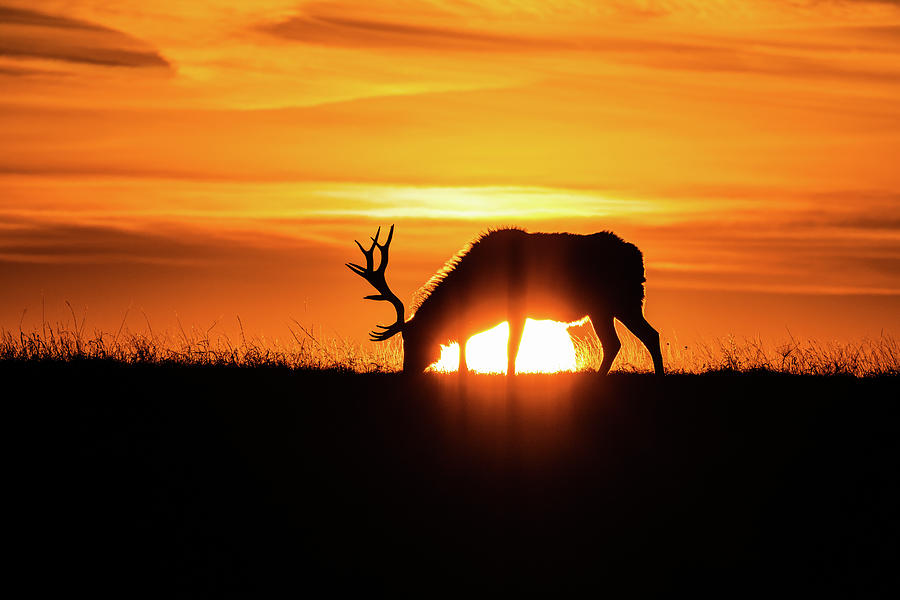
(153, 478)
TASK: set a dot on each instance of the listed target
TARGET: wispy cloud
(707, 48)
(358, 33)
(30, 34)
(10, 15)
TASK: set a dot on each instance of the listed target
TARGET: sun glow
(546, 348)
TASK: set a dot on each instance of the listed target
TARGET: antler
(376, 278)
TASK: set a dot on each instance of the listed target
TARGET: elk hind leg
(516, 329)
(605, 329)
(635, 321)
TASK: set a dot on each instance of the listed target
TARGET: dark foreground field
(160, 480)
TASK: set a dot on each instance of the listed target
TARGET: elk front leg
(516, 329)
(639, 326)
(462, 332)
(605, 328)
(463, 364)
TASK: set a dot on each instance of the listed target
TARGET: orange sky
(216, 159)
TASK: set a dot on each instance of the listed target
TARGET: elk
(509, 275)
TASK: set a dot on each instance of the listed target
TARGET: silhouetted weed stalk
(311, 348)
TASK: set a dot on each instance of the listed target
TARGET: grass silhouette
(154, 462)
(311, 348)
(155, 475)
(308, 348)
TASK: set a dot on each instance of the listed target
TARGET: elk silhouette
(509, 275)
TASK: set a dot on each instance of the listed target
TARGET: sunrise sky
(202, 160)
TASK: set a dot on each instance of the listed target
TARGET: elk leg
(605, 329)
(516, 329)
(639, 326)
(463, 365)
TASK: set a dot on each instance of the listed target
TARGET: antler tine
(369, 254)
(356, 269)
(389, 331)
(383, 249)
(387, 242)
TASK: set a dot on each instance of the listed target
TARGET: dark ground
(159, 480)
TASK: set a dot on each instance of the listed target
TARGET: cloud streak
(707, 50)
(355, 33)
(19, 16)
(30, 34)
